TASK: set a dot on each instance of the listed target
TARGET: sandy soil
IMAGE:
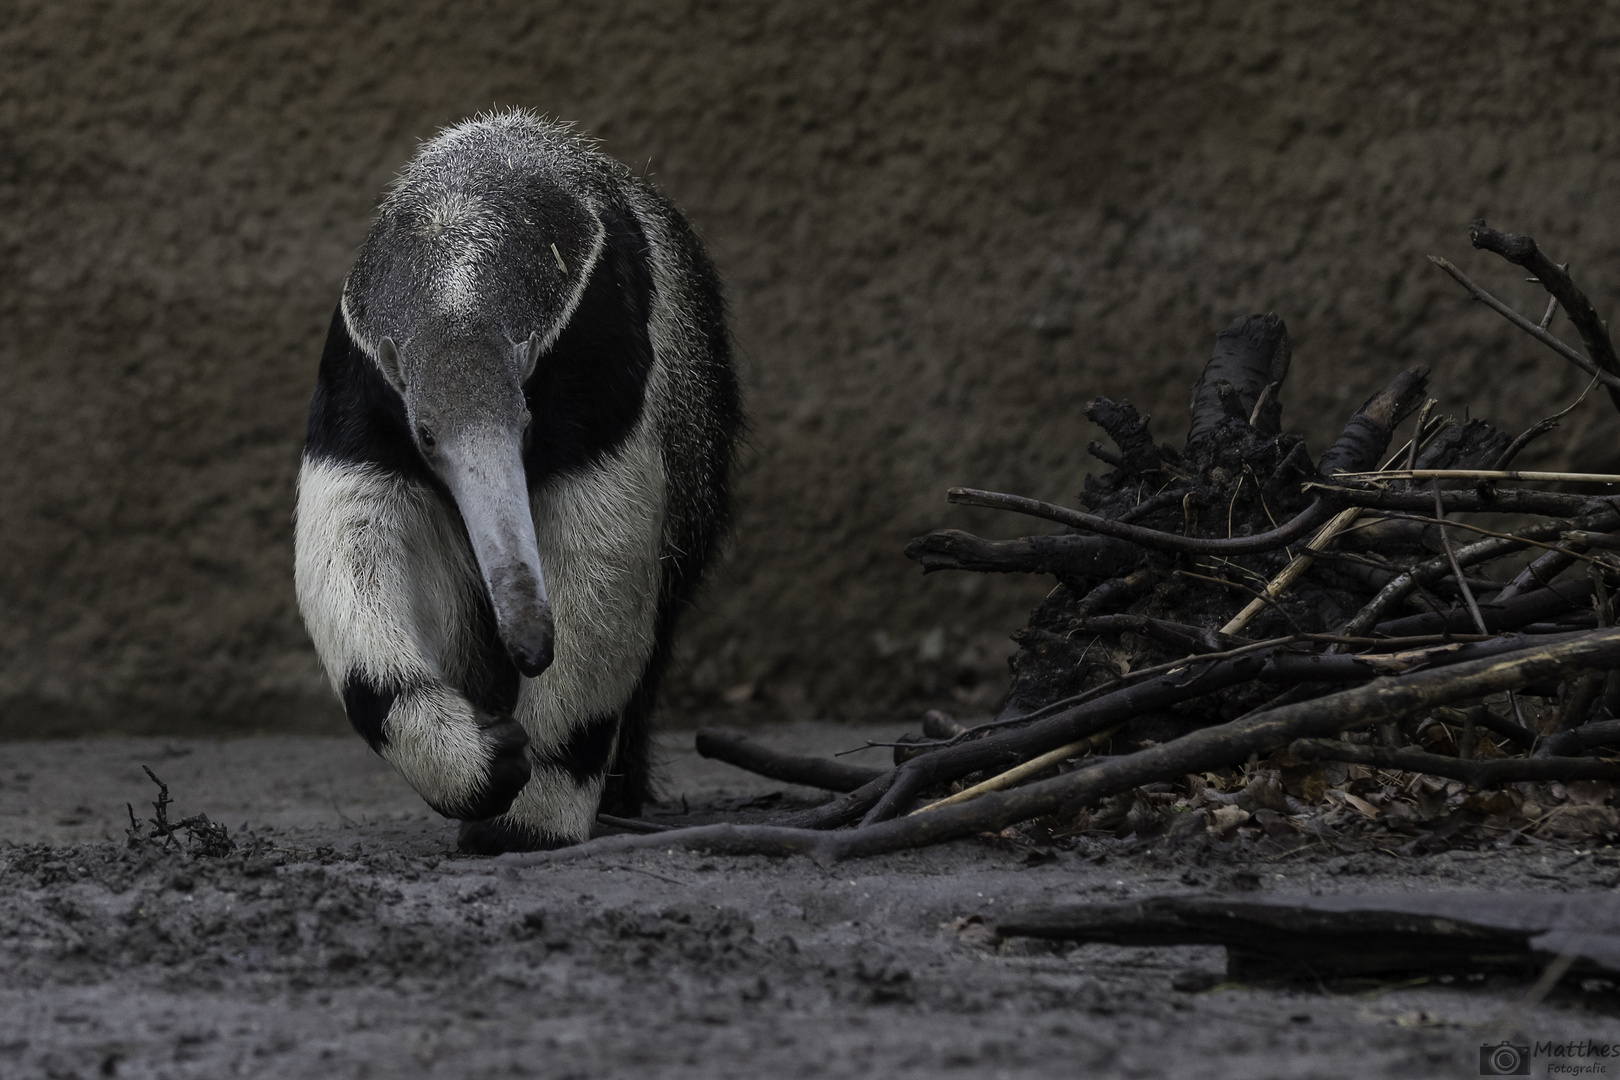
(344, 938)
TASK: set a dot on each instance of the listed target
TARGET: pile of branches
(1236, 614)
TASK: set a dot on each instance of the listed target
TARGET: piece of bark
(1473, 445)
(1367, 435)
(1068, 556)
(1250, 355)
(1129, 430)
(1319, 937)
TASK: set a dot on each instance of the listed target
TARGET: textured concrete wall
(944, 227)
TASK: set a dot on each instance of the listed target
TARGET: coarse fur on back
(530, 355)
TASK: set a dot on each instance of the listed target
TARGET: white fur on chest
(387, 582)
(599, 532)
(385, 579)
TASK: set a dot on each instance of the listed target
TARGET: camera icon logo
(1504, 1059)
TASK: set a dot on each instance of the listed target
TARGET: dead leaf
(1224, 821)
(1306, 783)
(1361, 806)
(1437, 738)
(1265, 791)
(1589, 792)
(1491, 803)
(1077, 825)
(1274, 824)
(1112, 813)
(1189, 823)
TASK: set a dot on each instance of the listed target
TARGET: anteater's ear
(530, 354)
(388, 360)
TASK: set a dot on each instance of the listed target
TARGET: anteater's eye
(426, 436)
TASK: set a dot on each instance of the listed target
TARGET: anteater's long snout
(486, 478)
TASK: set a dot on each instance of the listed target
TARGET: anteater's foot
(506, 771)
(469, 766)
(496, 836)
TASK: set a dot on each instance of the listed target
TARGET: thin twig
(1522, 251)
(1517, 538)
(1293, 571)
(1403, 583)
(1259, 597)
(1542, 426)
(1029, 768)
(1482, 474)
(1547, 339)
(1064, 704)
(1412, 444)
(1466, 500)
(1198, 639)
(635, 825)
(1482, 551)
(1153, 539)
(1451, 556)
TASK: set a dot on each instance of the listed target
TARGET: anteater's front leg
(390, 594)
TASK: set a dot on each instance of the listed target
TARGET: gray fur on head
(492, 227)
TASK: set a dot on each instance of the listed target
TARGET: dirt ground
(344, 938)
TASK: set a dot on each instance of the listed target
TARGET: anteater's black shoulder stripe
(356, 418)
(587, 392)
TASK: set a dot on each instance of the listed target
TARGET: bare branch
(1522, 251)
(1476, 773)
(1609, 380)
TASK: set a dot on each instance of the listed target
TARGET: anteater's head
(463, 393)
(477, 259)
